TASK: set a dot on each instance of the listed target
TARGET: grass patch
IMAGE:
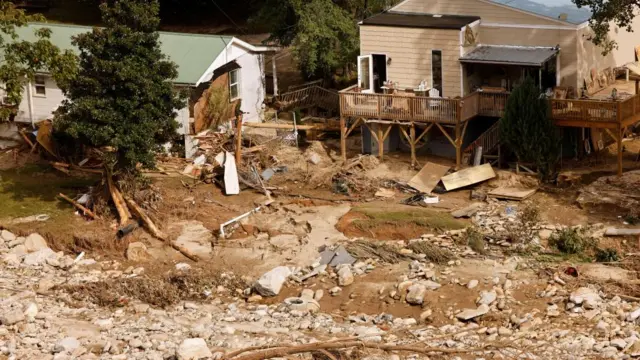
(474, 239)
(435, 254)
(571, 241)
(419, 217)
(33, 189)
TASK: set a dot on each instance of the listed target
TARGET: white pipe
(237, 219)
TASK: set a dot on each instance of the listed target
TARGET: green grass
(33, 189)
(421, 217)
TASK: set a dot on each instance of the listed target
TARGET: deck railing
(451, 111)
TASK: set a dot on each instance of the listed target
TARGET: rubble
(271, 282)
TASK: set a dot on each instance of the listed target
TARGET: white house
(198, 57)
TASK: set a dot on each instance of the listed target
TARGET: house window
(436, 70)
(39, 85)
(234, 84)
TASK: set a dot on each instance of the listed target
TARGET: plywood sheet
(428, 177)
(468, 176)
(517, 194)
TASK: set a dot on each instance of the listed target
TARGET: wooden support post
(238, 140)
(380, 137)
(343, 138)
(412, 142)
(619, 141)
(275, 76)
(458, 145)
(637, 87)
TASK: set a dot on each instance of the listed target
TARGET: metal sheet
(468, 176)
(510, 55)
(516, 194)
(428, 177)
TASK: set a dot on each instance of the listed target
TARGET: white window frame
(237, 84)
(43, 86)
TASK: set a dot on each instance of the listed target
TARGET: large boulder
(193, 349)
(35, 242)
(416, 294)
(7, 236)
(345, 276)
(271, 282)
(137, 252)
(39, 257)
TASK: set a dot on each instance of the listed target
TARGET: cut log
(153, 229)
(621, 232)
(118, 201)
(86, 211)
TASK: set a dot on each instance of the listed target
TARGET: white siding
(43, 106)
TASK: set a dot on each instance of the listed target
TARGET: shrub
(474, 239)
(570, 241)
(607, 255)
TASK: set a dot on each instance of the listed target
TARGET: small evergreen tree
(528, 130)
(123, 96)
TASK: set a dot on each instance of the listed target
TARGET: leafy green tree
(123, 96)
(528, 130)
(607, 12)
(22, 59)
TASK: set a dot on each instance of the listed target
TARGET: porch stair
(308, 97)
(490, 142)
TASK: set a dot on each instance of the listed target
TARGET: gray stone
(618, 343)
(472, 284)
(503, 331)
(7, 236)
(634, 315)
(12, 317)
(68, 345)
(271, 282)
(39, 257)
(11, 259)
(307, 294)
(137, 251)
(487, 297)
(30, 311)
(19, 250)
(193, 349)
(341, 257)
(302, 304)
(416, 294)
(35, 242)
(425, 315)
(345, 276)
(318, 295)
(195, 238)
(431, 285)
(468, 314)
(584, 294)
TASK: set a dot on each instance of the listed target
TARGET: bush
(474, 239)
(529, 132)
(570, 241)
(607, 255)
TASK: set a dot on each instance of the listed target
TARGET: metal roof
(551, 9)
(193, 53)
(426, 21)
(510, 55)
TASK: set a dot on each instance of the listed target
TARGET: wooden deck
(404, 108)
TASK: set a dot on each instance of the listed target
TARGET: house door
(379, 72)
(365, 73)
(436, 70)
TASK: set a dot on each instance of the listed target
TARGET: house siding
(491, 13)
(43, 106)
(410, 51)
(567, 39)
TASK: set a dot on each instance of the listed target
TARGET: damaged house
(434, 76)
(206, 63)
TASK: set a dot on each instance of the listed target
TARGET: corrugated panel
(526, 56)
(551, 8)
(193, 53)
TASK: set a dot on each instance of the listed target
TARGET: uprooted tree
(528, 130)
(22, 59)
(122, 97)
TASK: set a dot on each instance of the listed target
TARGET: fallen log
(153, 229)
(26, 139)
(621, 232)
(86, 211)
(118, 201)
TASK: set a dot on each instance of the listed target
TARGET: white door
(365, 73)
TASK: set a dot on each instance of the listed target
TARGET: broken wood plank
(468, 176)
(428, 177)
(86, 211)
(508, 193)
(231, 184)
(621, 232)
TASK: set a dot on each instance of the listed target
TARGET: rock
(137, 251)
(307, 294)
(68, 345)
(503, 331)
(12, 317)
(195, 238)
(314, 158)
(602, 327)
(487, 297)
(254, 299)
(634, 350)
(468, 314)
(318, 295)
(584, 294)
(472, 284)
(183, 266)
(634, 315)
(618, 343)
(431, 285)
(7, 236)
(345, 276)
(416, 294)
(35, 242)
(335, 291)
(302, 304)
(193, 349)
(31, 311)
(39, 257)
(271, 282)
(11, 259)
(545, 234)
(19, 250)
(425, 315)
(104, 324)
(285, 241)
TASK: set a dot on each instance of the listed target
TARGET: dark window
(436, 70)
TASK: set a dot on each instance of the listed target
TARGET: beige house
(460, 45)
(440, 64)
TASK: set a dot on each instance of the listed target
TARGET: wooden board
(507, 193)
(231, 184)
(468, 176)
(428, 177)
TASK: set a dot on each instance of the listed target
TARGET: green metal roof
(193, 53)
